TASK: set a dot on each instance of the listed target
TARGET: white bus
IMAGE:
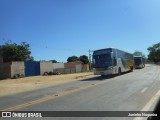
(112, 61)
(139, 62)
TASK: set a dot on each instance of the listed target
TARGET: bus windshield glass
(137, 61)
(102, 60)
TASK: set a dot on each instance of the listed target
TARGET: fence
(9, 69)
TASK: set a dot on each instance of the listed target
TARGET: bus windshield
(102, 60)
(137, 61)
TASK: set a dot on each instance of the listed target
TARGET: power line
(65, 49)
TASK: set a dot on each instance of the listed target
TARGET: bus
(112, 61)
(139, 62)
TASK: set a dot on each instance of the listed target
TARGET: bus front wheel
(119, 71)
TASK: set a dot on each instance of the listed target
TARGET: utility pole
(90, 58)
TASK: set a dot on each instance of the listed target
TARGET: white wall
(46, 66)
(79, 68)
(58, 65)
(17, 68)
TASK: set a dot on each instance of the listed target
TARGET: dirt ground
(10, 86)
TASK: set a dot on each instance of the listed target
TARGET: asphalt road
(129, 92)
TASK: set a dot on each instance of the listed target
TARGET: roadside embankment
(11, 86)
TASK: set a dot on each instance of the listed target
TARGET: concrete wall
(1, 70)
(6, 70)
(79, 68)
(69, 70)
(1, 67)
(73, 70)
(9, 69)
(58, 65)
(71, 64)
(65, 70)
(60, 70)
(76, 67)
(85, 67)
(17, 68)
(1, 59)
(46, 66)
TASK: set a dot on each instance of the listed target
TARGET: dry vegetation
(10, 86)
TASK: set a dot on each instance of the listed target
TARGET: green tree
(84, 59)
(14, 52)
(72, 59)
(54, 61)
(154, 53)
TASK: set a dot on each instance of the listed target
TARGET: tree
(84, 59)
(72, 59)
(54, 61)
(14, 52)
(154, 53)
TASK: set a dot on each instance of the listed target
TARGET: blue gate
(32, 68)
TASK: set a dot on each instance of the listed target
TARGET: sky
(57, 29)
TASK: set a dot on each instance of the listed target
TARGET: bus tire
(119, 71)
(131, 69)
(103, 75)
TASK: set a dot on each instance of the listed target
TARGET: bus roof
(111, 48)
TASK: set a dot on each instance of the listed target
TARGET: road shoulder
(12, 86)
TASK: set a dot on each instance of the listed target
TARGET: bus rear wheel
(131, 69)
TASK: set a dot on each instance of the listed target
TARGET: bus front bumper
(106, 72)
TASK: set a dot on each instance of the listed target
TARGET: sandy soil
(10, 86)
